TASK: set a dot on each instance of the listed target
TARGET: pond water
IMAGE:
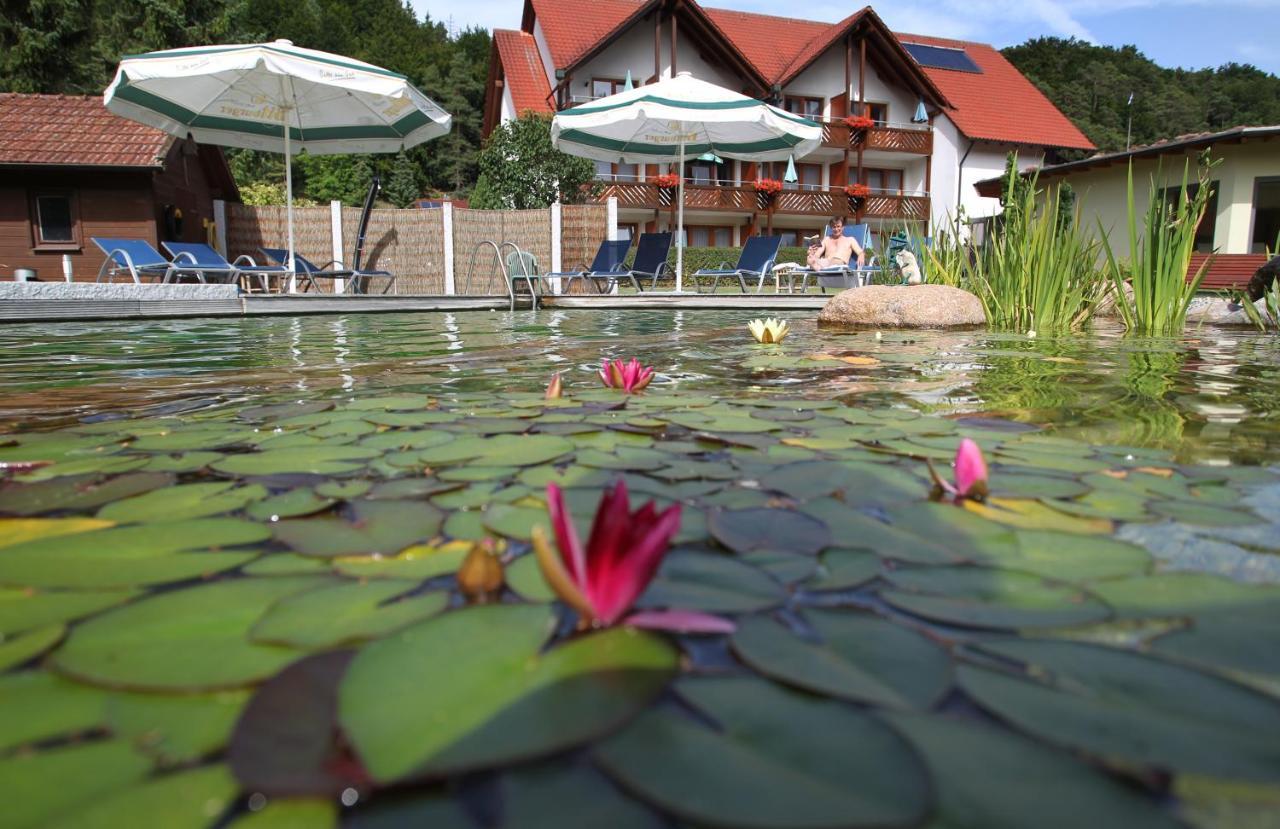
(228, 593)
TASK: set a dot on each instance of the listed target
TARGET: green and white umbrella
(677, 119)
(275, 97)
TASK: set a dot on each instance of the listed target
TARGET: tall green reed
(1034, 271)
(1160, 248)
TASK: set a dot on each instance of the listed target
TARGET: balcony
(734, 198)
(916, 139)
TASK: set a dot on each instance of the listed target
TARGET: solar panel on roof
(942, 57)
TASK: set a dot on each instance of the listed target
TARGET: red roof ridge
(524, 71)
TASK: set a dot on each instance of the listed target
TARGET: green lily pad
(384, 527)
(851, 528)
(26, 646)
(713, 583)
(179, 503)
(61, 780)
(187, 440)
(984, 597)
(175, 729)
(1183, 594)
(998, 780)
(858, 657)
(776, 759)
(746, 530)
(536, 796)
(97, 465)
(1012, 484)
(184, 640)
(501, 450)
(318, 460)
(185, 799)
(1124, 706)
(287, 564)
(27, 609)
(524, 577)
(292, 504)
(505, 700)
(1205, 515)
(421, 561)
(1243, 641)
(842, 569)
(1067, 556)
(182, 462)
(37, 705)
(787, 568)
(77, 493)
(342, 613)
(514, 522)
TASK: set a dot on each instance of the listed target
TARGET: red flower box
(768, 186)
(666, 180)
(859, 122)
(857, 191)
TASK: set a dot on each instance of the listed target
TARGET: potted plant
(858, 126)
(766, 189)
(667, 184)
(857, 194)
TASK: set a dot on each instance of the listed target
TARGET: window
(808, 107)
(790, 238)
(616, 172)
(809, 175)
(706, 172)
(878, 112)
(880, 181)
(604, 87)
(1204, 232)
(702, 236)
(1266, 215)
(55, 220)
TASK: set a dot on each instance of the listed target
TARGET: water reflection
(1211, 396)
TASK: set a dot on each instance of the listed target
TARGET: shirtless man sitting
(836, 249)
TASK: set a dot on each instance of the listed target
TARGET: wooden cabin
(70, 170)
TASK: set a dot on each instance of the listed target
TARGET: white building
(945, 113)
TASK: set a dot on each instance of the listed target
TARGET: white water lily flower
(769, 330)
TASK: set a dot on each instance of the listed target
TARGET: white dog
(910, 268)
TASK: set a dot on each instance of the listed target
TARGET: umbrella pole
(288, 200)
(680, 221)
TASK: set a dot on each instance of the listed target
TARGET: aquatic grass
(1034, 272)
(1160, 249)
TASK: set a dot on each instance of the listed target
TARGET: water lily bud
(555, 389)
(1032, 334)
(480, 576)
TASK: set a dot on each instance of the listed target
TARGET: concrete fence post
(557, 242)
(220, 226)
(446, 223)
(611, 225)
(336, 246)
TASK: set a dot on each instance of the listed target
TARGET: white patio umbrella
(680, 118)
(275, 97)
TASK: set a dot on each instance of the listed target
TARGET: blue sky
(1191, 33)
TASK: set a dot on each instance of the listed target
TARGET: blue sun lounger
(841, 277)
(198, 254)
(357, 279)
(651, 260)
(139, 260)
(609, 264)
(755, 262)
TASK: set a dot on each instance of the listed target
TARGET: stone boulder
(903, 306)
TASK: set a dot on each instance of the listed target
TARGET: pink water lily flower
(971, 474)
(555, 389)
(603, 579)
(627, 377)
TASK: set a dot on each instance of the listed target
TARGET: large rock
(903, 306)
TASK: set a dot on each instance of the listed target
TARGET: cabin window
(809, 175)
(880, 181)
(808, 107)
(55, 220)
(702, 236)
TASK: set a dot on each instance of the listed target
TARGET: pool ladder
(521, 262)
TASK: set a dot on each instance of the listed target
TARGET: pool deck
(58, 301)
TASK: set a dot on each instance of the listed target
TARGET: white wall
(544, 52)
(634, 51)
(508, 106)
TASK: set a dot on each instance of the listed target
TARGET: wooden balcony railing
(895, 139)
(739, 199)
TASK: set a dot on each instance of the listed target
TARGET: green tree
(519, 169)
(402, 188)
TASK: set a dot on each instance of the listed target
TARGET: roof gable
(573, 29)
(75, 130)
(523, 71)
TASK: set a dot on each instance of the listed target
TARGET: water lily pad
(344, 613)
(188, 640)
(181, 462)
(421, 561)
(842, 569)
(857, 657)
(856, 483)
(1010, 484)
(984, 597)
(318, 460)
(1183, 594)
(514, 522)
(193, 798)
(1132, 708)
(1205, 515)
(384, 527)
(714, 583)
(1068, 556)
(1242, 641)
(77, 493)
(343, 490)
(16, 531)
(187, 440)
(853, 529)
(59, 780)
(745, 530)
(524, 577)
(536, 796)
(175, 729)
(997, 780)
(26, 646)
(97, 465)
(37, 705)
(26, 609)
(776, 759)
(501, 450)
(291, 504)
(787, 568)
(505, 700)
(178, 503)
(1033, 515)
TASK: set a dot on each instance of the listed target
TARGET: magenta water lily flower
(627, 377)
(603, 579)
(970, 473)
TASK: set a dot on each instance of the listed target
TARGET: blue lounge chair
(200, 255)
(841, 277)
(651, 259)
(755, 262)
(609, 264)
(309, 272)
(135, 257)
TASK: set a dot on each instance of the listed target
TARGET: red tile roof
(999, 104)
(74, 130)
(522, 68)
